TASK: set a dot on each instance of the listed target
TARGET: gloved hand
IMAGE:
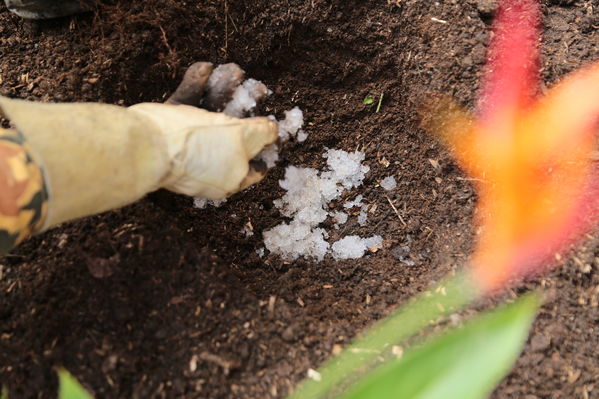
(210, 152)
(97, 157)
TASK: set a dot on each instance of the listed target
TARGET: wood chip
(573, 375)
(226, 365)
(271, 304)
(176, 300)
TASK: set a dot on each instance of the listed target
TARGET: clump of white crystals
(356, 202)
(297, 239)
(309, 191)
(388, 183)
(247, 231)
(203, 202)
(291, 126)
(354, 247)
(306, 203)
(245, 98)
(340, 218)
(363, 216)
(270, 155)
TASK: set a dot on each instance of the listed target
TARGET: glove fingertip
(259, 133)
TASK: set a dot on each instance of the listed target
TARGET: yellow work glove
(209, 152)
(97, 157)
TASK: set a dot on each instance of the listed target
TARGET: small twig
(378, 106)
(272, 300)
(430, 231)
(171, 52)
(165, 40)
(396, 211)
(233, 22)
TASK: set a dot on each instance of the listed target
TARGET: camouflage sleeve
(23, 192)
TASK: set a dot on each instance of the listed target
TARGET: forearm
(93, 157)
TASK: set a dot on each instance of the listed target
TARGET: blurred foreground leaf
(466, 363)
(69, 388)
(366, 351)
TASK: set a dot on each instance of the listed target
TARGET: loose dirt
(162, 300)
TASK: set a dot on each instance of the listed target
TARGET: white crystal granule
(388, 183)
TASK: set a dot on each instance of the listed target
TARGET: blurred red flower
(530, 155)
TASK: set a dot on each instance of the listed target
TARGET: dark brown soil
(163, 300)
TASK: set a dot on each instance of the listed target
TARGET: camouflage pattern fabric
(23, 192)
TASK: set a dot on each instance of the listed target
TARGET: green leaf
(4, 392)
(69, 388)
(368, 100)
(442, 299)
(466, 363)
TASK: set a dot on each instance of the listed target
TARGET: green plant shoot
(69, 388)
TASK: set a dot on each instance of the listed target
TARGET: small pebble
(539, 342)
(486, 8)
(288, 335)
(388, 183)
